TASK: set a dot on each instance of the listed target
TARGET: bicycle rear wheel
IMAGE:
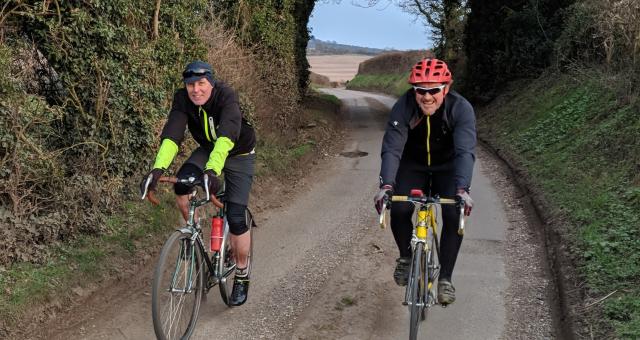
(417, 286)
(177, 288)
(227, 262)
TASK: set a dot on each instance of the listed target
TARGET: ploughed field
(339, 68)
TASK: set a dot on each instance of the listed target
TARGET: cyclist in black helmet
(210, 110)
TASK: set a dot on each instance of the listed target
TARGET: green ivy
(279, 29)
(104, 88)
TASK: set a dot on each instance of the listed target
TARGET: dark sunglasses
(430, 90)
(201, 72)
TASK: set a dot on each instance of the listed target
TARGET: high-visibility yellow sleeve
(219, 155)
(166, 154)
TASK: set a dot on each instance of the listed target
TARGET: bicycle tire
(227, 263)
(417, 284)
(179, 266)
(430, 278)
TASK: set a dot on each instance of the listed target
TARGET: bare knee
(182, 201)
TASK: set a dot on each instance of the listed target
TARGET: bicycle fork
(419, 237)
(187, 258)
(425, 229)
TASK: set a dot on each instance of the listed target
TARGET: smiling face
(199, 91)
(428, 102)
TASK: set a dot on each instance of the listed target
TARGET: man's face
(428, 102)
(199, 91)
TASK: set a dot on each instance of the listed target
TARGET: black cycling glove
(213, 181)
(385, 191)
(150, 182)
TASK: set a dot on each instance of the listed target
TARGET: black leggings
(443, 184)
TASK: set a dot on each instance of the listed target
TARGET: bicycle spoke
(176, 296)
(176, 307)
(171, 329)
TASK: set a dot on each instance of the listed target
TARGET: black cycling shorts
(238, 174)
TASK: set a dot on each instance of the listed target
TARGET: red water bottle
(216, 233)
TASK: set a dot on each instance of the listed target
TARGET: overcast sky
(379, 27)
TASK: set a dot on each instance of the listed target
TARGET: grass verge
(579, 143)
(393, 84)
(76, 266)
(277, 155)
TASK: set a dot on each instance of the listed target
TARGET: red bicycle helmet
(430, 71)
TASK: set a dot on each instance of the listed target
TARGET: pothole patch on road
(354, 154)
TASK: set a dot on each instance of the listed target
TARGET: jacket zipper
(428, 137)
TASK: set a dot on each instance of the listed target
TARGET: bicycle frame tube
(421, 225)
(426, 219)
(194, 203)
(196, 242)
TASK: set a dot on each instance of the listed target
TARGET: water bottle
(216, 233)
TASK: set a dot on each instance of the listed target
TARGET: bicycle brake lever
(206, 186)
(382, 212)
(461, 223)
(146, 186)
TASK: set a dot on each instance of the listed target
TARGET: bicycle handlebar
(425, 200)
(189, 181)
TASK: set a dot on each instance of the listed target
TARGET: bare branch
(156, 20)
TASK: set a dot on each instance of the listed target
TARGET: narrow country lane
(323, 269)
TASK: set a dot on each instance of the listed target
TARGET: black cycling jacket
(452, 140)
(223, 119)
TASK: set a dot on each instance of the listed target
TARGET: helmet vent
(430, 71)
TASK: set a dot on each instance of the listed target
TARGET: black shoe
(240, 291)
(401, 274)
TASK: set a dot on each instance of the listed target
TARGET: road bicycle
(421, 291)
(185, 272)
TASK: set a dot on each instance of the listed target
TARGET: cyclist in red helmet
(429, 144)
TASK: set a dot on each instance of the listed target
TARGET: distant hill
(320, 47)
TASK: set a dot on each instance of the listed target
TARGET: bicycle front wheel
(177, 287)
(417, 286)
(432, 272)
